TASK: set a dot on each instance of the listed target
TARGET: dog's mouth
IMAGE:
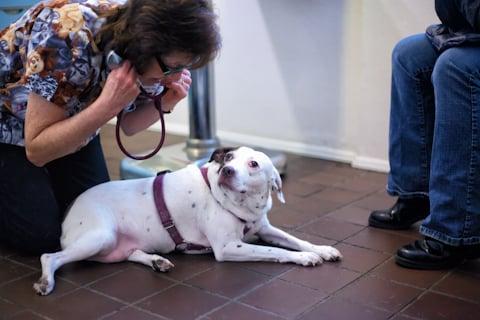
(236, 183)
(229, 185)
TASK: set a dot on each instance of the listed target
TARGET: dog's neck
(248, 208)
(252, 208)
(246, 211)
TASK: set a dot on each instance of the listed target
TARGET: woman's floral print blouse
(50, 51)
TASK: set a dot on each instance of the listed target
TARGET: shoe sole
(425, 266)
(380, 225)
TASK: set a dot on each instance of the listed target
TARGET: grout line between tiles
(66, 279)
(26, 275)
(368, 273)
(341, 205)
(424, 292)
(431, 290)
(22, 264)
(35, 313)
(339, 290)
(239, 297)
(105, 316)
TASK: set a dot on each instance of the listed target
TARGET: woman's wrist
(102, 110)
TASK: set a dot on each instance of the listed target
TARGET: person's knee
(454, 64)
(404, 50)
(41, 245)
(413, 54)
(36, 240)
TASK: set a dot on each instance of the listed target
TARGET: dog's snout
(228, 172)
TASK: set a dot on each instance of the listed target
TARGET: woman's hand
(177, 89)
(120, 89)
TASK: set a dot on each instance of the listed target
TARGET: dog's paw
(161, 264)
(43, 286)
(307, 259)
(328, 253)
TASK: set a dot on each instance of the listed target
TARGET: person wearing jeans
(434, 141)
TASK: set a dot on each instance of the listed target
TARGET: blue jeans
(434, 136)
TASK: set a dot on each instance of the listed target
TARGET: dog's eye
(253, 164)
(228, 157)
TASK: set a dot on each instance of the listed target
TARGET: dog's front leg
(278, 237)
(241, 251)
(156, 262)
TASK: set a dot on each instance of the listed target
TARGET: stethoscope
(113, 60)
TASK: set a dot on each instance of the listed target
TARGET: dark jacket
(460, 24)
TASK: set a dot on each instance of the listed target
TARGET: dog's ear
(277, 185)
(219, 154)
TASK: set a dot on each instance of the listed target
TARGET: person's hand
(120, 89)
(177, 90)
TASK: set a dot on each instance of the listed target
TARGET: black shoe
(402, 215)
(430, 254)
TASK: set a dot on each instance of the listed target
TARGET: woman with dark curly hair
(56, 92)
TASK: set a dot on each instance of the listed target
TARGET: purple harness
(166, 218)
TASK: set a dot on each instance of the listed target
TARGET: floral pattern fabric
(50, 51)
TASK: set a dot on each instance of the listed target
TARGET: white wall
(309, 76)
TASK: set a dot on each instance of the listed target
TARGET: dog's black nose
(228, 172)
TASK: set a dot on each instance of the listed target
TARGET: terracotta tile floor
(327, 203)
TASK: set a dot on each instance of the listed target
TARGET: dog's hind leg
(88, 245)
(158, 263)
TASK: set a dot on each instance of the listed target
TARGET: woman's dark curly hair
(142, 30)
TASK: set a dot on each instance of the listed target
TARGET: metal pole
(202, 140)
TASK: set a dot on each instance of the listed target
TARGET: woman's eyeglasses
(168, 71)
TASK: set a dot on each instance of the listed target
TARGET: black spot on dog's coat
(219, 155)
(193, 205)
(239, 245)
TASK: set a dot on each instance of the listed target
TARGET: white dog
(218, 208)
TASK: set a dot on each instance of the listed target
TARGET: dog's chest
(188, 201)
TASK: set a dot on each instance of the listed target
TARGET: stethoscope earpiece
(113, 60)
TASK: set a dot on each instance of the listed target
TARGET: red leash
(157, 100)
